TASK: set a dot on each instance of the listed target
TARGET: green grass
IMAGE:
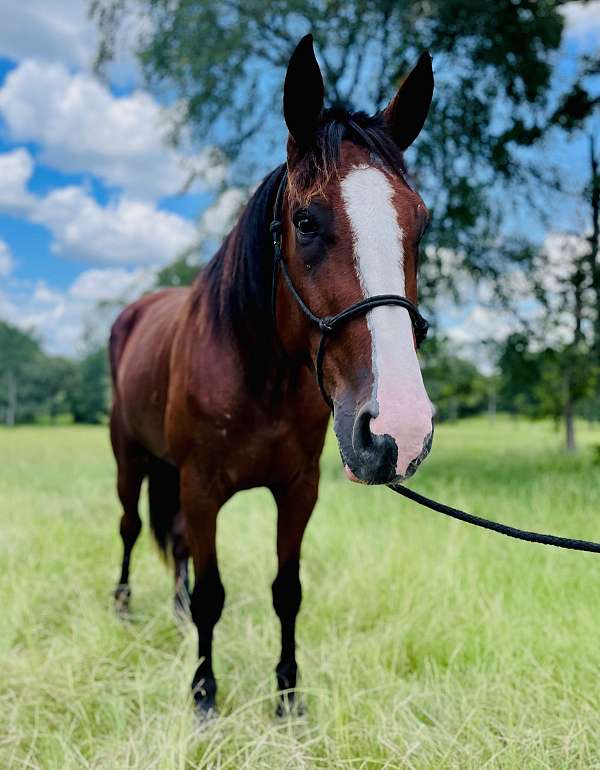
(423, 643)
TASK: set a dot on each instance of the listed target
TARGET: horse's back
(139, 352)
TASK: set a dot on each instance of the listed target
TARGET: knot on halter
(325, 325)
(421, 328)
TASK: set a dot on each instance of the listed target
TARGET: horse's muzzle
(372, 458)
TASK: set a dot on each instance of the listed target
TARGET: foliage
(534, 382)
(90, 388)
(35, 386)
(181, 272)
(455, 386)
(223, 60)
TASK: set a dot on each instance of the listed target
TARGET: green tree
(18, 351)
(223, 60)
(89, 388)
(456, 387)
(546, 382)
(32, 384)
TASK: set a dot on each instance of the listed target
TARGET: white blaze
(405, 411)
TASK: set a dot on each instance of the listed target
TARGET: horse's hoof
(122, 596)
(289, 707)
(205, 710)
(204, 692)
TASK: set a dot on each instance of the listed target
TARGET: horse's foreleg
(295, 504)
(208, 597)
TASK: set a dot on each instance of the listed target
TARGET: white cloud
(220, 216)
(110, 284)
(82, 127)
(61, 318)
(6, 259)
(125, 231)
(16, 168)
(481, 324)
(62, 31)
(57, 30)
(130, 232)
(582, 20)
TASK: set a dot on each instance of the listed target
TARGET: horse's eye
(305, 223)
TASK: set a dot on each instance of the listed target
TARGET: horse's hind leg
(295, 504)
(131, 469)
(180, 558)
(168, 525)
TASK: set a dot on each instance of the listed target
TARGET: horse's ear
(407, 111)
(303, 94)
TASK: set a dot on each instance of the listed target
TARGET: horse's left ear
(407, 111)
(303, 94)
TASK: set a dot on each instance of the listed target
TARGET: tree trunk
(569, 413)
(11, 406)
(492, 404)
(594, 241)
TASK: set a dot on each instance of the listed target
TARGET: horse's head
(351, 229)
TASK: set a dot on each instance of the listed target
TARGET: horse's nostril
(376, 455)
(362, 438)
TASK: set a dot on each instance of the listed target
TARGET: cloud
(582, 20)
(218, 219)
(6, 259)
(62, 31)
(111, 284)
(125, 231)
(61, 319)
(16, 168)
(82, 127)
(59, 30)
(481, 324)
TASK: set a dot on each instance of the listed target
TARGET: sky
(91, 201)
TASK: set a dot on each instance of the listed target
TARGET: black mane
(238, 278)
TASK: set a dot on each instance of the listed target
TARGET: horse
(214, 387)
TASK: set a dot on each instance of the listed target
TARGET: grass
(423, 643)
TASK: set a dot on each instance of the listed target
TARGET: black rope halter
(328, 324)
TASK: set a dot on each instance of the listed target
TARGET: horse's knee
(287, 591)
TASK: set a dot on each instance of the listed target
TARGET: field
(423, 643)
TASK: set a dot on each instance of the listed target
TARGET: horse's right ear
(303, 94)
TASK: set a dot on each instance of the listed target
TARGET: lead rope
(328, 324)
(503, 529)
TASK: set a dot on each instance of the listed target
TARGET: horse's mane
(237, 280)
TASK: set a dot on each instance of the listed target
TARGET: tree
(17, 352)
(547, 382)
(455, 385)
(89, 389)
(223, 61)
(34, 385)
(576, 290)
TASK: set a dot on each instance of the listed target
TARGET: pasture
(423, 643)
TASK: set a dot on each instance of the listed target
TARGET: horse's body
(210, 399)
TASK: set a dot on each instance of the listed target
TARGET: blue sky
(90, 203)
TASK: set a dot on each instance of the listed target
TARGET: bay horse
(214, 386)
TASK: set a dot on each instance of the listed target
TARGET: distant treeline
(36, 387)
